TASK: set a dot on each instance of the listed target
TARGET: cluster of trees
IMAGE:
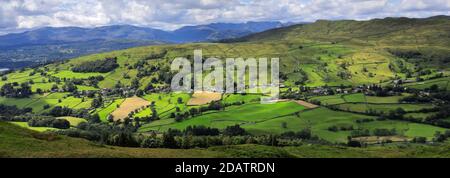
(90, 81)
(385, 132)
(439, 118)
(376, 132)
(201, 131)
(406, 54)
(213, 106)
(123, 134)
(377, 90)
(102, 66)
(49, 122)
(336, 128)
(416, 99)
(6, 110)
(441, 137)
(15, 91)
(156, 55)
(59, 111)
(111, 134)
(177, 139)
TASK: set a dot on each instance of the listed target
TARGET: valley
(377, 88)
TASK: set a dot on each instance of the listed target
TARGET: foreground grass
(20, 142)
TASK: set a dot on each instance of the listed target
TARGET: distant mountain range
(210, 32)
(52, 43)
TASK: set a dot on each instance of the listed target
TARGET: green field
(245, 114)
(164, 104)
(385, 108)
(354, 98)
(105, 111)
(38, 129)
(329, 100)
(442, 83)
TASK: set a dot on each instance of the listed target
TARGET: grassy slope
(20, 142)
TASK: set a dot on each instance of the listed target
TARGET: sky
(17, 15)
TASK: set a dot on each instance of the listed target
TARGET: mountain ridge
(55, 35)
(52, 43)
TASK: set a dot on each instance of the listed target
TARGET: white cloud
(171, 14)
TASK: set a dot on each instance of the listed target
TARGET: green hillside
(19, 142)
(381, 84)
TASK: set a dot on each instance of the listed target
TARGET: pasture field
(43, 86)
(442, 83)
(38, 129)
(20, 102)
(244, 114)
(388, 99)
(69, 74)
(105, 111)
(164, 104)
(37, 102)
(354, 98)
(329, 100)
(129, 105)
(319, 120)
(385, 108)
(74, 121)
(202, 98)
(246, 98)
(86, 88)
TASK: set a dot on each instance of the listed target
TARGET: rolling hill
(18, 142)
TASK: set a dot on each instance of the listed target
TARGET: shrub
(234, 131)
(419, 140)
(60, 124)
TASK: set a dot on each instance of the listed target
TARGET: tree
(110, 118)
(168, 140)
(139, 92)
(61, 124)
(7, 90)
(149, 142)
(69, 87)
(54, 87)
(95, 118)
(284, 125)
(135, 83)
(96, 103)
(39, 91)
(235, 130)
(149, 87)
(59, 111)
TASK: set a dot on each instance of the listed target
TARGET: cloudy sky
(17, 15)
